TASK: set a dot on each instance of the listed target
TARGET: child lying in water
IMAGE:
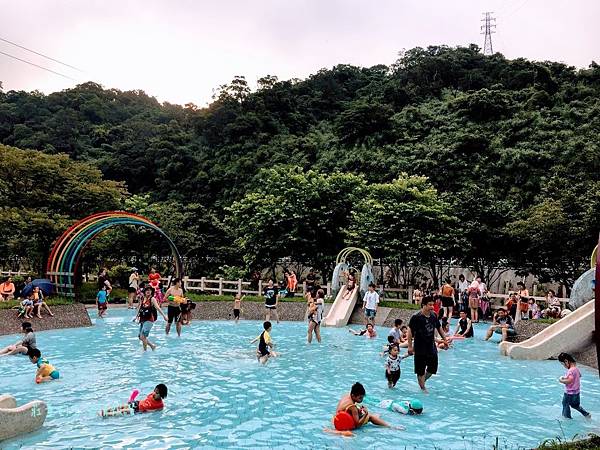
(369, 331)
(153, 402)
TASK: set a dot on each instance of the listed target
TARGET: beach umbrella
(46, 286)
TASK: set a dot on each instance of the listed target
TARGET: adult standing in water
(315, 316)
(147, 315)
(271, 294)
(422, 328)
(173, 308)
(134, 284)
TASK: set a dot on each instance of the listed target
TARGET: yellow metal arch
(593, 257)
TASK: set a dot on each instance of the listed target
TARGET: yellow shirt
(45, 368)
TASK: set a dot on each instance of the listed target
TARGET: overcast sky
(180, 50)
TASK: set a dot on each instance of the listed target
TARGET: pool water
(220, 397)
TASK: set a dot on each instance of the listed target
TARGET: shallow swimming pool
(220, 397)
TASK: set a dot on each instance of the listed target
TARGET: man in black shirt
(422, 328)
(503, 324)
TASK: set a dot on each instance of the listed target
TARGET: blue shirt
(101, 296)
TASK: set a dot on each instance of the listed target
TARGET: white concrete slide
(571, 333)
(15, 421)
(342, 308)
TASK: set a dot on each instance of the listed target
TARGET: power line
(39, 67)
(40, 54)
(487, 29)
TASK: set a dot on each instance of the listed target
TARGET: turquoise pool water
(220, 397)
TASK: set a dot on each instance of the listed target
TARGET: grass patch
(399, 305)
(592, 442)
(51, 301)
(548, 321)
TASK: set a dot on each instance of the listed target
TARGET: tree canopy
(501, 156)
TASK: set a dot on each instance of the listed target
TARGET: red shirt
(150, 404)
(154, 279)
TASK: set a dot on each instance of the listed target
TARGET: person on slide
(153, 402)
(350, 414)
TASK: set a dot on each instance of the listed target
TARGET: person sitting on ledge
(7, 289)
(502, 324)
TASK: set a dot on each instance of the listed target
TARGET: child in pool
(237, 306)
(265, 344)
(369, 331)
(45, 371)
(350, 414)
(102, 300)
(571, 380)
(153, 402)
(441, 343)
(388, 346)
(392, 365)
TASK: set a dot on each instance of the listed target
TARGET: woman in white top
(134, 284)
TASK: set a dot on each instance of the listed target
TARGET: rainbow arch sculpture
(66, 252)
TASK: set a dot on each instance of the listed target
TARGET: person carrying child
(571, 380)
(264, 350)
(315, 316)
(45, 371)
(153, 402)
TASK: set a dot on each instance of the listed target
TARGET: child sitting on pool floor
(153, 402)
(45, 371)
(350, 414)
(265, 344)
(369, 331)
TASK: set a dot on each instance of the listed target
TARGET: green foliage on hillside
(302, 167)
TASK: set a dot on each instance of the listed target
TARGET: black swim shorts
(426, 362)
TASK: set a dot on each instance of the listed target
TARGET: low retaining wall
(292, 311)
(65, 316)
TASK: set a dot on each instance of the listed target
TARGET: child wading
(571, 380)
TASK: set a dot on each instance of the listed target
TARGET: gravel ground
(65, 316)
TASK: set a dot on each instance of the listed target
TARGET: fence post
(185, 282)
(328, 289)
(259, 287)
(410, 294)
(240, 287)
(220, 286)
(303, 288)
(202, 283)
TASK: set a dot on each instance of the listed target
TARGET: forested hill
(510, 145)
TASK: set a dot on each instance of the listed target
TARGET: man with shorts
(174, 308)
(370, 302)
(502, 324)
(421, 328)
(271, 294)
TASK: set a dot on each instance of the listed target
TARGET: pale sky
(180, 50)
